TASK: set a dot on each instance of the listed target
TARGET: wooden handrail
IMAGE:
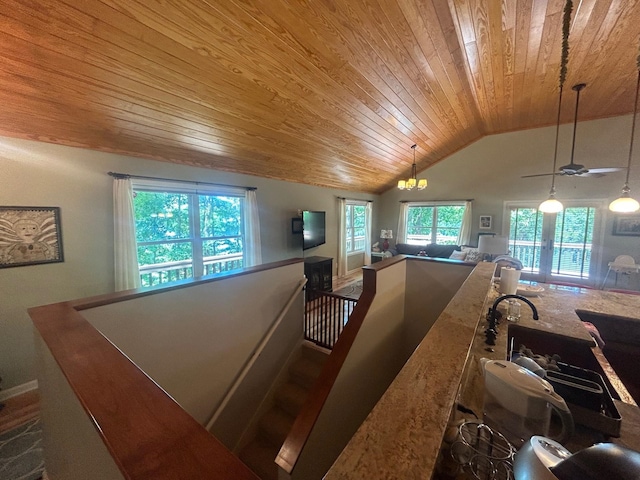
(306, 419)
(125, 405)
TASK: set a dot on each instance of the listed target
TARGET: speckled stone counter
(557, 307)
(401, 437)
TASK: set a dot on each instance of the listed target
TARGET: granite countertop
(402, 435)
(557, 308)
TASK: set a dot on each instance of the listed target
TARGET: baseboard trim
(18, 390)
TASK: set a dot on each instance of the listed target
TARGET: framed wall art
(628, 225)
(485, 222)
(30, 236)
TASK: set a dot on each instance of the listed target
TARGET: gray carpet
(21, 452)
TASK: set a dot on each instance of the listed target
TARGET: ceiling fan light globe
(422, 184)
(551, 205)
(624, 204)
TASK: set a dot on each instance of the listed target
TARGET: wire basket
(483, 452)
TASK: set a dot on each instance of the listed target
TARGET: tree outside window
(185, 235)
(439, 224)
(355, 227)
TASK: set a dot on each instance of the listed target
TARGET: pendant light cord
(633, 125)
(564, 57)
(555, 153)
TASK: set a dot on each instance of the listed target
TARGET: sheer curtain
(253, 253)
(401, 236)
(465, 229)
(342, 237)
(367, 234)
(127, 275)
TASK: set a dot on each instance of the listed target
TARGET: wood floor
(20, 409)
(353, 277)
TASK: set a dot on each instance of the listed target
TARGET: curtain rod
(355, 199)
(427, 201)
(126, 175)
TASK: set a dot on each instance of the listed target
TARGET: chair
(624, 264)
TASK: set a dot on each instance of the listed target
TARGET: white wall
(194, 341)
(430, 287)
(489, 172)
(76, 180)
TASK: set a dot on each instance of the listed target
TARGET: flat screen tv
(313, 229)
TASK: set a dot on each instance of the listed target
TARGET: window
(553, 245)
(187, 234)
(434, 223)
(356, 227)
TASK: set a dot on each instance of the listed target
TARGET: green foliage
(435, 224)
(164, 229)
(356, 223)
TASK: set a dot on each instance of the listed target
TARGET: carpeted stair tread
(259, 456)
(290, 397)
(275, 425)
(315, 353)
(305, 371)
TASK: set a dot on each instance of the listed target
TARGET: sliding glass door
(554, 247)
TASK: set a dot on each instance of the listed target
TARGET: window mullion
(198, 264)
(434, 225)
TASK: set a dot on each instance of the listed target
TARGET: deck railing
(325, 316)
(571, 259)
(159, 273)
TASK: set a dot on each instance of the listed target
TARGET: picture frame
(486, 222)
(30, 236)
(627, 225)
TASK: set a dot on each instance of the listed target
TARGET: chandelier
(412, 182)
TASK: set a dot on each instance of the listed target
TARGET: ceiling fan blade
(605, 170)
(588, 174)
(541, 175)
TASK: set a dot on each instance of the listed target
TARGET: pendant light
(412, 182)
(552, 205)
(626, 204)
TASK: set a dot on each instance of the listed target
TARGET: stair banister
(254, 356)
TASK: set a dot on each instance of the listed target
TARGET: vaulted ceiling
(323, 92)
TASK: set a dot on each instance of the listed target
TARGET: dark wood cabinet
(319, 273)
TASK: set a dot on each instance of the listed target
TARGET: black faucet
(491, 332)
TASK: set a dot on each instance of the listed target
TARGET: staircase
(275, 424)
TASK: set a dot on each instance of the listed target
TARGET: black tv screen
(313, 229)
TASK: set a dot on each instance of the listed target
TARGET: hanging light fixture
(413, 182)
(552, 205)
(626, 204)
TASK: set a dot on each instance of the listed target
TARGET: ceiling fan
(575, 169)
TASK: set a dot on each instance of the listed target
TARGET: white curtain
(342, 237)
(127, 275)
(253, 249)
(367, 234)
(401, 236)
(465, 229)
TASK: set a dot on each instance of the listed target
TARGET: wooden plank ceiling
(323, 92)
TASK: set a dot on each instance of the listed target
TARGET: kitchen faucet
(491, 332)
